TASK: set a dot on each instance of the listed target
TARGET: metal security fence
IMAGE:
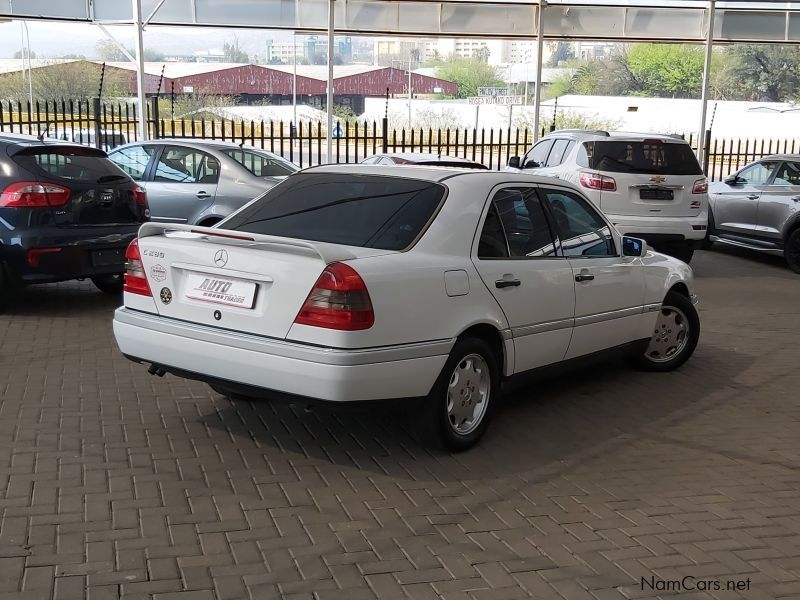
(107, 125)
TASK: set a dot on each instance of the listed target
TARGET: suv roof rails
(592, 131)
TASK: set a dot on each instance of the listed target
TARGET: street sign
(492, 91)
(497, 100)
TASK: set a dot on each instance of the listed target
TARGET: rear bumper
(662, 229)
(67, 253)
(331, 374)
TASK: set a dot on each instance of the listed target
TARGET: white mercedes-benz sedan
(349, 283)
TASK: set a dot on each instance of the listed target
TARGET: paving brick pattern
(118, 485)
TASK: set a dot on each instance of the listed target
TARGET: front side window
(186, 165)
(582, 230)
(788, 174)
(262, 165)
(757, 174)
(538, 154)
(133, 160)
(516, 226)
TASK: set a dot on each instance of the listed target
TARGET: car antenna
(44, 133)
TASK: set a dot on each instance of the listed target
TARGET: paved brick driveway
(115, 484)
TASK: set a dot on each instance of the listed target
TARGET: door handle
(504, 283)
(752, 197)
(203, 195)
(584, 277)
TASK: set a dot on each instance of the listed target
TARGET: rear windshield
(84, 165)
(648, 156)
(261, 165)
(354, 210)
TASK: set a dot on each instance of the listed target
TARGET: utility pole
(409, 90)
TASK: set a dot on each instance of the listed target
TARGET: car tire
(675, 335)
(792, 250)
(470, 380)
(9, 286)
(707, 243)
(109, 284)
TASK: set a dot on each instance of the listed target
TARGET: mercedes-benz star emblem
(221, 258)
(166, 295)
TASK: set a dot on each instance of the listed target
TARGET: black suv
(66, 212)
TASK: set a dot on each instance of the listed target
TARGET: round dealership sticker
(166, 295)
(158, 273)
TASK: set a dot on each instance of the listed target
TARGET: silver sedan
(199, 181)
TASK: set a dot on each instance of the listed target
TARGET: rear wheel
(109, 284)
(675, 335)
(707, 243)
(459, 407)
(792, 251)
(210, 222)
(9, 286)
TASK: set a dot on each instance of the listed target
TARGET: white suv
(650, 186)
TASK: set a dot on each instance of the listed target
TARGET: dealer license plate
(221, 290)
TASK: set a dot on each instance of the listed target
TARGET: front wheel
(109, 284)
(459, 407)
(675, 335)
(792, 251)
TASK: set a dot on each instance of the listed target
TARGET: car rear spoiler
(328, 253)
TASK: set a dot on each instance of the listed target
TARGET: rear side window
(186, 165)
(353, 210)
(557, 153)
(261, 165)
(647, 156)
(84, 165)
(788, 174)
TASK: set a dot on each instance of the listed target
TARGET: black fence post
(154, 116)
(385, 134)
(98, 123)
(706, 151)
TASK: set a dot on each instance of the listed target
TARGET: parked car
(422, 159)
(351, 283)
(650, 186)
(758, 207)
(109, 139)
(198, 181)
(66, 212)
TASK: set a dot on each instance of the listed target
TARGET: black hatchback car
(66, 212)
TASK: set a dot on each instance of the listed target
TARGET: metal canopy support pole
(330, 79)
(537, 100)
(409, 90)
(701, 134)
(137, 16)
(294, 79)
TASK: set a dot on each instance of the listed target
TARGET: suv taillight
(31, 194)
(140, 196)
(339, 300)
(700, 186)
(135, 280)
(595, 181)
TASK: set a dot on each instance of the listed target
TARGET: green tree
(77, 80)
(469, 75)
(763, 72)
(233, 53)
(666, 70)
(108, 51)
(24, 54)
(482, 54)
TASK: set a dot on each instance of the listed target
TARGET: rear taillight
(30, 194)
(595, 181)
(140, 196)
(34, 254)
(700, 186)
(339, 300)
(135, 280)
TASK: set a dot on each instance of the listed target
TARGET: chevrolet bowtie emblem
(658, 179)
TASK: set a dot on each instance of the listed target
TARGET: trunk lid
(654, 177)
(99, 192)
(249, 283)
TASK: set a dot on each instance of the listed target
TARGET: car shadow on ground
(61, 300)
(543, 430)
(730, 261)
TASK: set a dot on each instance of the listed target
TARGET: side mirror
(531, 164)
(513, 162)
(632, 246)
(732, 180)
